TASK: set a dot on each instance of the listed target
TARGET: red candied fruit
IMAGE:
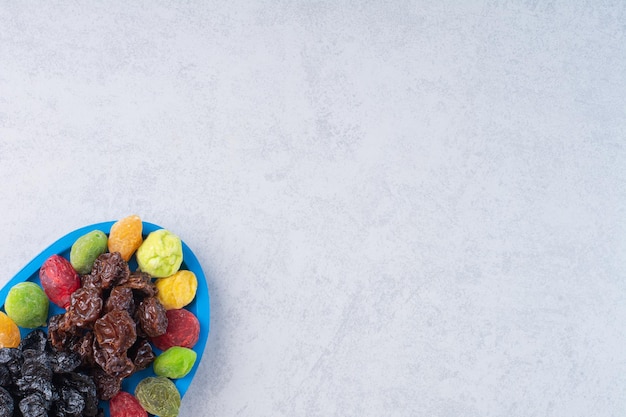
(183, 329)
(59, 280)
(125, 405)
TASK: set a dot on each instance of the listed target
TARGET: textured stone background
(405, 209)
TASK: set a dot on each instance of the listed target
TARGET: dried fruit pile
(108, 322)
(37, 380)
(112, 319)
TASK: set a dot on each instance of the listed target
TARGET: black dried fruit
(6, 403)
(34, 405)
(63, 361)
(35, 340)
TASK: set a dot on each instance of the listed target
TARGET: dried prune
(86, 387)
(121, 298)
(126, 405)
(5, 376)
(115, 331)
(106, 385)
(111, 269)
(59, 280)
(34, 405)
(35, 340)
(141, 283)
(6, 403)
(36, 364)
(63, 361)
(152, 317)
(71, 403)
(141, 354)
(12, 359)
(60, 332)
(36, 384)
(84, 348)
(116, 364)
(85, 307)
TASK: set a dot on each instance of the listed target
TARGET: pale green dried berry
(86, 249)
(158, 396)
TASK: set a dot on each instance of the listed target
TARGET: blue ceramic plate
(199, 306)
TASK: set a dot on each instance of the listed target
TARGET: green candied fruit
(27, 305)
(176, 362)
(86, 249)
(161, 254)
(158, 396)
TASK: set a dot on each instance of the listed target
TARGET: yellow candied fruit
(178, 290)
(125, 236)
(9, 332)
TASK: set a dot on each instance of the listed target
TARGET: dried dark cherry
(120, 298)
(141, 354)
(85, 307)
(115, 331)
(152, 317)
(111, 269)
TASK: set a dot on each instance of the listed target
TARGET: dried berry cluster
(38, 381)
(109, 321)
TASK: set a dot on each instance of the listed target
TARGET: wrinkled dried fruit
(115, 331)
(109, 269)
(27, 305)
(59, 280)
(126, 405)
(121, 298)
(6, 403)
(40, 381)
(142, 285)
(141, 354)
(159, 396)
(9, 332)
(106, 385)
(115, 364)
(176, 362)
(59, 333)
(85, 307)
(183, 329)
(152, 317)
(178, 290)
(125, 236)
(86, 249)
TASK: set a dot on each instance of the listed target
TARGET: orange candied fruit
(9, 332)
(125, 236)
